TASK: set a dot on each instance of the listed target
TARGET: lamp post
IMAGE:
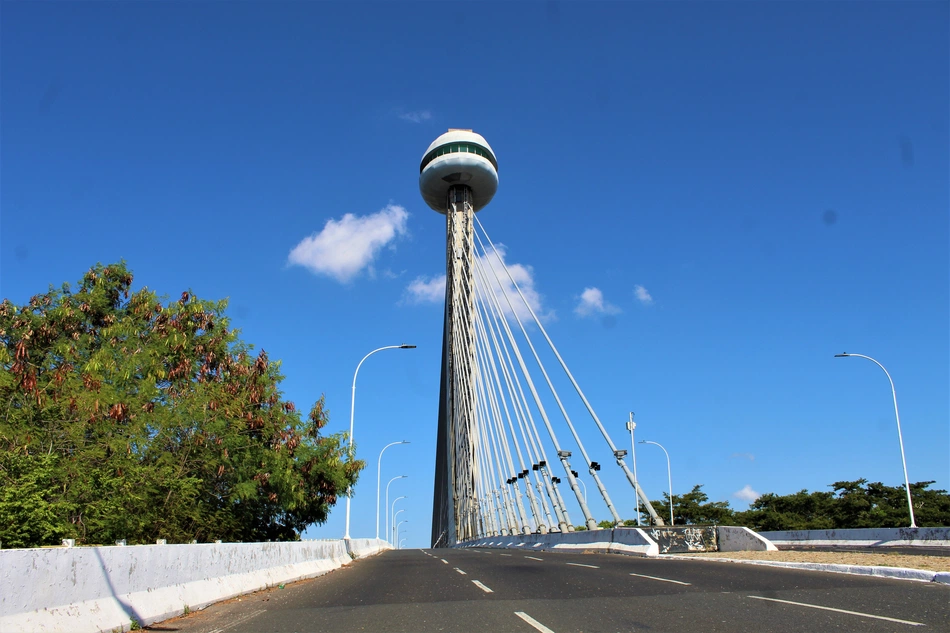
(397, 529)
(393, 535)
(388, 511)
(585, 487)
(900, 439)
(379, 464)
(391, 510)
(668, 476)
(346, 534)
(401, 541)
(631, 425)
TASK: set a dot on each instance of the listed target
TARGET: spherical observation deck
(458, 157)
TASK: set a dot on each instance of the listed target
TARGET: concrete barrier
(362, 547)
(868, 537)
(742, 539)
(90, 589)
(620, 541)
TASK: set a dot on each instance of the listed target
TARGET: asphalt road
(503, 590)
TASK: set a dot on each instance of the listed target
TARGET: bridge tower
(457, 177)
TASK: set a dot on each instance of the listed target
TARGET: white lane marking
(460, 571)
(482, 587)
(444, 561)
(533, 558)
(504, 554)
(583, 565)
(527, 618)
(240, 620)
(663, 579)
(863, 615)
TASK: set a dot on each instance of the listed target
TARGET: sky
(709, 201)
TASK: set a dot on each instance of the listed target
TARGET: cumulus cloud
(522, 274)
(432, 289)
(416, 117)
(426, 290)
(592, 302)
(349, 245)
(747, 494)
(643, 296)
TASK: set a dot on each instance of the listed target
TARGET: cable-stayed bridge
(496, 435)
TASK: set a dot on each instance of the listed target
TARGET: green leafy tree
(125, 417)
(692, 508)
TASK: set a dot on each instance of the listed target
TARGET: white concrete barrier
(80, 589)
(868, 537)
(619, 540)
(742, 539)
(362, 547)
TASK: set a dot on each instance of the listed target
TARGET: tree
(125, 417)
(692, 508)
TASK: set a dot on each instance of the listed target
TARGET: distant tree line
(850, 504)
(125, 416)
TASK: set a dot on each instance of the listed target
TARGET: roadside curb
(900, 573)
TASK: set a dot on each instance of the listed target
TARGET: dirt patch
(883, 559)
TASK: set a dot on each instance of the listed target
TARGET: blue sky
(739, 191)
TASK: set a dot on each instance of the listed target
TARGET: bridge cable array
(506, 445)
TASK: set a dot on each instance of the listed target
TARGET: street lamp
(631, 425)
(379, 464)
(391, 510)
(388, 511)
(669, 477)
(578, 479)
(401, 541)
(900, 439)
(395, 531)
(352, 406)
(396, 540)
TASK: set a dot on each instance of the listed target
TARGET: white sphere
(458, 157)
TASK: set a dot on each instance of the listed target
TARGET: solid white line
(482, 587)
(863, 615)
(663, 579)
(241, 620)
(527, 618)
(460, 571)
(583, 565)
(533, 558)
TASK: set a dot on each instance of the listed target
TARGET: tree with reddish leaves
(126, 417)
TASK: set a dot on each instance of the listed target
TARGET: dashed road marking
(527, 618)
(444, 561)
(482, 587)
(662, 579)
(815, 606)
(533, 558)
(460, 571)
(583, 565)
(504, 554)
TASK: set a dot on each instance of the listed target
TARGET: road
(498, 590)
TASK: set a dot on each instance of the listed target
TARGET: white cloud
(747, 494)
(748, 456)
(432, 289)
(592, 302)
(416, 117)
(346, 246)
(643, 296)
(522, 274)
(425, 290)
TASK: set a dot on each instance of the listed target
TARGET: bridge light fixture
(668, 475)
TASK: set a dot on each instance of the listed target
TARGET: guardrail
(79, 589)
